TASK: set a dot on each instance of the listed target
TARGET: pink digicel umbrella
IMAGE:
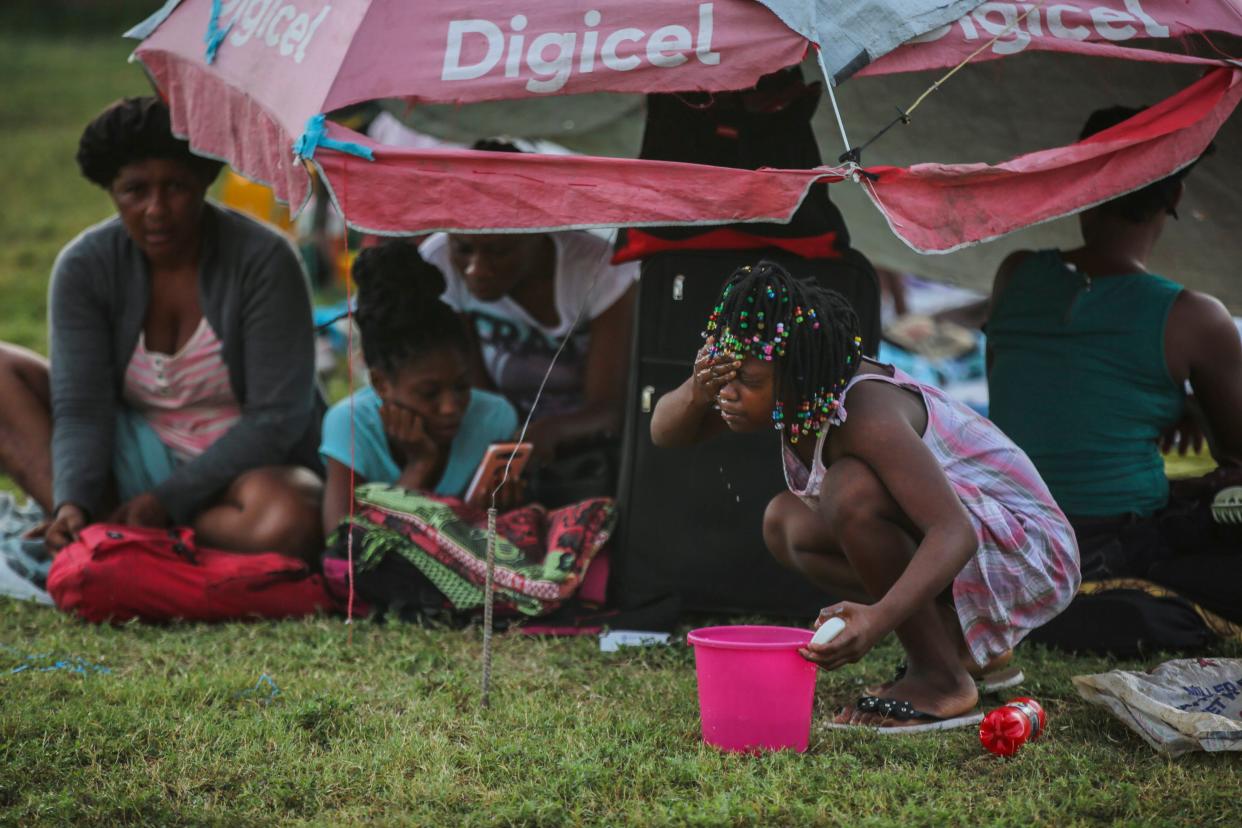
(246, 79)
(249, 81)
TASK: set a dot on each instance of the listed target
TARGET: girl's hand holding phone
(511, 495)
(491, 472)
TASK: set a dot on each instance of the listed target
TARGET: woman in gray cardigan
(181, 387)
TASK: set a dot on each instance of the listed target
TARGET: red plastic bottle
(1008, 728)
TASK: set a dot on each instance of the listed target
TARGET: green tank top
(1079, 381)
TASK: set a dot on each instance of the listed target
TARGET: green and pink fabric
(541, 555)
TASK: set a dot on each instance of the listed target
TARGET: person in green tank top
(1089, 359)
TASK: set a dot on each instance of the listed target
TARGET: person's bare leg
(994, 666)
(799, 540)
(26, 422)
(272, 509)
(878, 541)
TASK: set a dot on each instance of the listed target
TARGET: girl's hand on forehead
(711, 373)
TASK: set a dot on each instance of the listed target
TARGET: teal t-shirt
(1079, 381)
(489, 419)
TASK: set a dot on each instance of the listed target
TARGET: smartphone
(492, 468)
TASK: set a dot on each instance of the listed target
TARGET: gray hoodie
(255, 298)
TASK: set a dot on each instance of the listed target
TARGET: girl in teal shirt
(419, 424)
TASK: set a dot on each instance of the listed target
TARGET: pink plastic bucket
(755, 691)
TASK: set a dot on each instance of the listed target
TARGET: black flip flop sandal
(898, 710)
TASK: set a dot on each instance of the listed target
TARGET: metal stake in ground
(488, 600)
(489, 587)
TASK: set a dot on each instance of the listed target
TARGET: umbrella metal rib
(854, 154)
(489, 586)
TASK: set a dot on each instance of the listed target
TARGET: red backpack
(115, 573)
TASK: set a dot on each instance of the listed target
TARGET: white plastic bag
(1183, 705)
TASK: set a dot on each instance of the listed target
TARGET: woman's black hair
(135, 129)
(400, 314)
(1158, 196)
(811, 333)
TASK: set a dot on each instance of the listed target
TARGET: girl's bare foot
(943, 694)
(995, 669)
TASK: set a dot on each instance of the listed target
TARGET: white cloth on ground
(16, 564)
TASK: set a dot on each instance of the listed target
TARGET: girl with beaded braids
(921, 512)
(419, 424)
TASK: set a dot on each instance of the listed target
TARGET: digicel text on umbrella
(552, 56)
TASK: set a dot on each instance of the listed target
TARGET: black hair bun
(400, 313)
(394, 270)
(132, 130)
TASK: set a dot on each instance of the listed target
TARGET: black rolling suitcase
(691, 518)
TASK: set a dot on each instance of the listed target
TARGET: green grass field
(51, 87)
(388, 729)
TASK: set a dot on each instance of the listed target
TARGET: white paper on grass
(614, 640)
(1182, 705)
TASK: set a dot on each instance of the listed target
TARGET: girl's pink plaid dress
(1026, 569)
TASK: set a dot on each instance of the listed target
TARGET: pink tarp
(461, 188)
(408, 190)
(283, 61)
(933, 207)
(937, 208)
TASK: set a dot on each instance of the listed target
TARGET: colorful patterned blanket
(541, 555)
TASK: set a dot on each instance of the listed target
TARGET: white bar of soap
(828, 630)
